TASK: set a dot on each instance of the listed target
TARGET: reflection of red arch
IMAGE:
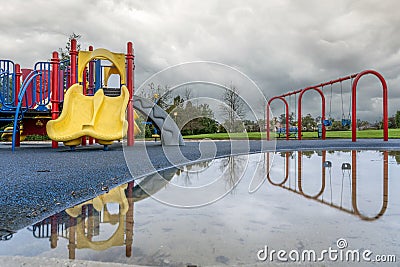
(385, 193)
(299, 180)
(354, 107)
(286, 115)
(286, 176)
(322, 111)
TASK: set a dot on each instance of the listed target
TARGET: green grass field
(393, 133)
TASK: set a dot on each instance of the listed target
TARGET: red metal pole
(321, 84)
(385, 110)
(299, 126)
(323, 113)
(83, 141)
(129, 221)
(73, 61)
(267, 127)
(18, 74)
(91, 85)
(53, 231)
(55, 61)
(286, 115)
(322, 110)
(354, 109)
(354, 105)
(84, 82)
(91, 75)
(130, 79)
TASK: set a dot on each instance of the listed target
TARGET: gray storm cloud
(281, 45)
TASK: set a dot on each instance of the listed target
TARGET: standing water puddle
(217, 213)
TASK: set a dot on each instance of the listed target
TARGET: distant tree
(194, 119)
(187, 95)
(308, 154)
(251, 126)
(308, 123)
(318, 120)
(64, 52)
(392, 122)
(397, 119)
(261, 124)
(337, 126)
(158, 94)
(282, 119)
(233, 110)
(273, 123)
(377, 125)
(362, 125)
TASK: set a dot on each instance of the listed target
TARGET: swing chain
(330, 104)
(341, 96)
(351, 90)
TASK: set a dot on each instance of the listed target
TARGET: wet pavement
(37, 181)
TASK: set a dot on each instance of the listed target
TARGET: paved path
(37, 181)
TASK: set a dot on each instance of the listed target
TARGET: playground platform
(38, 181)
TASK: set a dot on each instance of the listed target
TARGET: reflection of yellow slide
(98, 116)
(116, 195)
(8, 134)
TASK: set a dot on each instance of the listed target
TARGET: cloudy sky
(281, 45)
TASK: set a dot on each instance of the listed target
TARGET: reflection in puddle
(309, 200)
(348, 179)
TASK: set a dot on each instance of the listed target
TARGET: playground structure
(71, 101)
(351, 120)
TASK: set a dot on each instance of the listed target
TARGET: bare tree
(233, 110)
(64, 52)
(158, 94)
(187, 95)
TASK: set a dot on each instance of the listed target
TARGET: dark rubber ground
(37, 181)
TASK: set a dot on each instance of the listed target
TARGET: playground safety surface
(38, 181)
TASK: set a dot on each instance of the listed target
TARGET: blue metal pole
(97, 83)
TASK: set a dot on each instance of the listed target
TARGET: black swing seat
(346, 166)
(327, 164)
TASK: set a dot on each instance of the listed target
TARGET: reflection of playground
(81, 225)
(348, 171)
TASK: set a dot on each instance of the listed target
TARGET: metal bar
(55, 61)
(73, 61)
(286, 115)
(129, 74)
(354, 104)
(18, 109)
(299, 124)
(321, 84)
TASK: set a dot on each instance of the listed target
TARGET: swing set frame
(355, 79)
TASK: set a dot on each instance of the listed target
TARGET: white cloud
(282, 45)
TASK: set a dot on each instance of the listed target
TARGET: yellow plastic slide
(98, 116)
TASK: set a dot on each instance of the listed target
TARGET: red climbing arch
(322, 111)
(267, 127)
